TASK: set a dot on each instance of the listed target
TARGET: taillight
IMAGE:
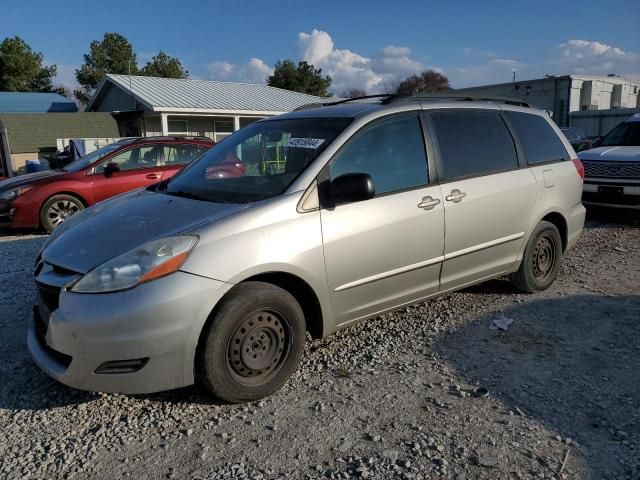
(579, 167)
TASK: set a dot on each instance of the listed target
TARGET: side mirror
(351, 187)
(110, 168)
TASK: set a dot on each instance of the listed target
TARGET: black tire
(541, 259)
(57, 209)
(253, 343)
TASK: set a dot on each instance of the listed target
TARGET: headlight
(148, 262)
(14, 193)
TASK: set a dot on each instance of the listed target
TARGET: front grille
(41, 325)
(41, 331)
(629, 170)
(49, 295)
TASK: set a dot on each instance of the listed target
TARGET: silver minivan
(335, 214)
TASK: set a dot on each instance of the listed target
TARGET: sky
(360, 44)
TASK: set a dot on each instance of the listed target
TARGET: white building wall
(596, 123)
(215, 127)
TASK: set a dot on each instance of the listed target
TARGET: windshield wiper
(192, 196)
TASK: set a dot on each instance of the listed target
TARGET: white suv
(612, 170)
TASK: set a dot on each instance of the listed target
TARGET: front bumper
(156, 324)
(611, 193)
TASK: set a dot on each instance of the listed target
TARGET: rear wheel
(541, 260)
(57, 209)
(253, 344)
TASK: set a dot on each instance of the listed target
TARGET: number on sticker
(305, 142)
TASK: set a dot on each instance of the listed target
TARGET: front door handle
(153, 176)
(455, 196)
(428, 203)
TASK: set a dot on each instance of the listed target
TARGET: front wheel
(253, 344)
(57, 209)
(541, 260)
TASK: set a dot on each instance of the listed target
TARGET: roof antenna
(514, 71)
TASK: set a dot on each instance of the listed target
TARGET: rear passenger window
(539, 140)
(391, 151)
(181, 153)
(473, 143)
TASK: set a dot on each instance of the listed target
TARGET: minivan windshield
(257, 162)
(89, 158)
(626, 134)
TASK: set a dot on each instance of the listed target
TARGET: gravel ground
(389, 398)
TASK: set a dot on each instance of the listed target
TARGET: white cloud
(393, 51)
(376, 71)
(254, 71)
(347, 69)
(352, 70)
(573, 56)
(496, 70)
(591, 57)
(65, 76)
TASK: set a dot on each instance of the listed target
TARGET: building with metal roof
(28, 136)
(31, 102)
(168, 106)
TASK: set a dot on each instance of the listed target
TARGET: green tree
(304, 78)
(425, 82)
(114, 54)
(22, 70)
(165, 66)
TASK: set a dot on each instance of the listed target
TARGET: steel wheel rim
(60, 211)
(543, 258)
(258, 347)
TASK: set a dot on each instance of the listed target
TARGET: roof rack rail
(176, 137)
(386, 98)
(462, 97)
(363, 97)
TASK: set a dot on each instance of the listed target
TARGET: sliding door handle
(455, 196)
(428, 203)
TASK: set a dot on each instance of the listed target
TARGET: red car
(46, 199)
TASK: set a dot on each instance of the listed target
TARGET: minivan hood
(113, 227)
(614, 154)
(28, 179)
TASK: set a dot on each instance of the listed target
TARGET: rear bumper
(575, 223)
(155, 326)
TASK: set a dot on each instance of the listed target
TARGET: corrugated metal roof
(170, 94)
(31, 102)
(36, 132)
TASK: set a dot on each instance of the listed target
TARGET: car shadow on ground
(493, 287)
(598, 217)
(571, 363)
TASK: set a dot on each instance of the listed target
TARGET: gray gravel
(394, 397)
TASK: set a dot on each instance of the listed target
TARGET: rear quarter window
(540, 142)
(473, 143)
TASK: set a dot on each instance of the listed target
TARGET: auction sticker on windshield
(305, 142)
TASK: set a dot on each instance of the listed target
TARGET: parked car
(577, 138)
(339, 216)
(612, 170)
(46, 199)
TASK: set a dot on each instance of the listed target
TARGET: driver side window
(391, 151)
(141, 157)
